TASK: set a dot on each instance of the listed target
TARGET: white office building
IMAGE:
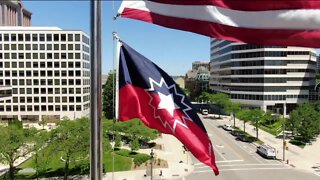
(270, 77)
(45, 73)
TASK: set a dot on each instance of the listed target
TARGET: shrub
(140, 159)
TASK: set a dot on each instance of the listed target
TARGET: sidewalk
(172, 152)
(297, 157)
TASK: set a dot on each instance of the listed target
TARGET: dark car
(235, 133)
(243, 138)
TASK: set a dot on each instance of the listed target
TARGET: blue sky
(172, 50)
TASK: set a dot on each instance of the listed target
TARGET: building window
(36, 99)
(34, 46)
(57, 108)
(70, 47)
(20, 37)
(57, 81)
(49, 37)
(57, 99)
(28, 47)
(49, 46)
(41, 37)
(13, 37)
(13, 47)
(27, 37)
(63, 37)
(70, 37)
(56, 47)
(56, 37)
(36, 90)
(78, 107)
(34, 37)
(43, 99)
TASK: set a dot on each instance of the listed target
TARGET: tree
(41, 159)
(205, 96)
(233, 108)
(134, 144)
(256, 115)
(72, 140)
(15, 142)
(244, 115)
(43, 122)
(117, 141)
(305, 120)
(220, 100)
(108, 96)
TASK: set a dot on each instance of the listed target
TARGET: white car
(267, 151)
(205, 112)
(227, 127)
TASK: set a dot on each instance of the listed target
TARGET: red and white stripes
(288, 23)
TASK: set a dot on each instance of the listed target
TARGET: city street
(239, 160)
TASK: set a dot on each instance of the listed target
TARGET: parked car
(227, 127)
(267, 151)
(205, 112)
(243, 138)
(235, 132)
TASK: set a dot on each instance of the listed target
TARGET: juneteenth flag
(266, 22)
(150, 94)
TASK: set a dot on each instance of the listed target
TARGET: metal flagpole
(95, 101)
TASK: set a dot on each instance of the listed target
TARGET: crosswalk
(239, 165)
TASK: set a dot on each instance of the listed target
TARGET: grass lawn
(56, 166)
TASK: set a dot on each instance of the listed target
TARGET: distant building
(197, 79)
(273, 78)
(44, 73)
(12, 13)
(197, 64)
(104, 79)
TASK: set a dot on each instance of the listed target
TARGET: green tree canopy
(108, 97)
(15, 142)
(72, 140)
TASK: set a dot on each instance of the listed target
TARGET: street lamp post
(151, 159)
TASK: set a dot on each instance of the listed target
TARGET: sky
(172, 50)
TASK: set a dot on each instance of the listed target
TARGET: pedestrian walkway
(307, 158)
(179, 162)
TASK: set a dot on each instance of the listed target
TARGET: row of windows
(49, 64)
(266, 97)
(42, 56)
(46, 90)
(47, 47)
(262, 80)
(264, 71)
(56, 73)
(6, 93)
(239, 47)
(50, 99)
(15, 108)
(258, 54)
(41, 37)
(265, 88)
(42, 82)
(264, 63)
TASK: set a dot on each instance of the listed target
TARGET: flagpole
(95, 88)
(116, 60)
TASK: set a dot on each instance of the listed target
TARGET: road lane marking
(220, 154)
(236, 153)
(226, 161)
(242, 169)
(240, 165)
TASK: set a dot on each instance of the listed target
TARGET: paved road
(238, 160)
